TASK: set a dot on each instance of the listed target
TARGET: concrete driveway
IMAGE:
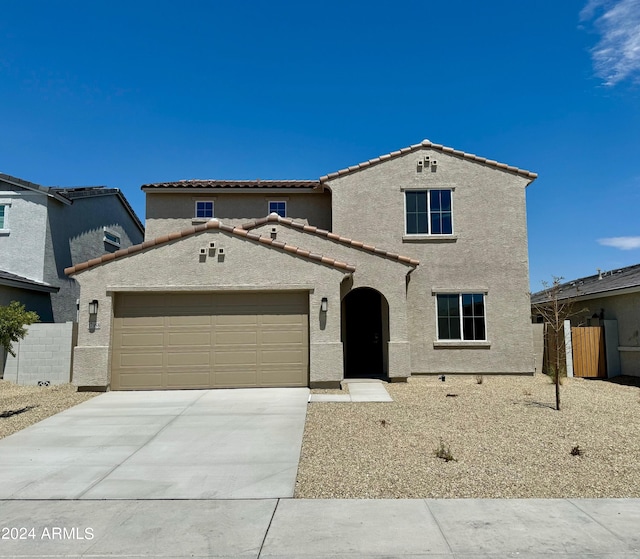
(187, 444)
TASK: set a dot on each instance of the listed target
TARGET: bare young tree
(556, 306)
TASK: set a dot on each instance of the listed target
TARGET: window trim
(279, 201)
(428, 236)
(461, 342)
(4, 230)
(204, 200)
(106, 231)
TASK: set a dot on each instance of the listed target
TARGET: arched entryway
(365, 333)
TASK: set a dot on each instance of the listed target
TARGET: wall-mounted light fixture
(324, 304)
(93, 307)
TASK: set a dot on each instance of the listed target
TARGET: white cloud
(617, 55)
(623, 243)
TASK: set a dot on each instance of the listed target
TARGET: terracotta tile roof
(334, 237)
(428, 144)
(213, 224)
(215, 184)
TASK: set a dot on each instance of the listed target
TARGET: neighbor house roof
(192, 184)
(68, 195)
(77, 193)
(604, 283)
(47, 191)
(213, 224)
(275, 218)
(438, 147)
(13, 280)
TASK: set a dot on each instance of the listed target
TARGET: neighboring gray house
(44, 230)
(411, 263)
(610, 299)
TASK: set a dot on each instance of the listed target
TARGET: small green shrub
(444, 452)
(13, 319)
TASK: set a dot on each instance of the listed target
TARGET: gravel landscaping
(504, 435)
(21, 406)
(504, 438)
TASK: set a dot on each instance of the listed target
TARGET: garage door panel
(247, 357)
(144, 321)
(281, 357)
(188, 339)
(138, 340)
(182, 340)
(231, 378)
(191, 379)
(188, 358)
(140, 381)
(283, 337)
(234, 337)
(236, 318)
(183, 320)
(141, 359)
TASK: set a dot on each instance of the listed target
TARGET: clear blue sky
(124, 93)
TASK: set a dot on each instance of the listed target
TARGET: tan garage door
(209, 340)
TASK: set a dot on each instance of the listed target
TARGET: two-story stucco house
(414, 262)
(44, 230)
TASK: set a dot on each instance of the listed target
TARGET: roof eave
(439, 147)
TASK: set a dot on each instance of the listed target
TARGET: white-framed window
(279, 207)
(204, 209)
(428, 212)
(4, 223)
(111, 238)
(461, 316)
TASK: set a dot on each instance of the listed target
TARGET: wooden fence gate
(588, 351)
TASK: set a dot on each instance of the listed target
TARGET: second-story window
(279, 207)
(111, 238)
(3, 216)
(428, 212)
(204, 209)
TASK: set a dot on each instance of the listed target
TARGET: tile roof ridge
(439, 147)
(275, 218)
(212, 224)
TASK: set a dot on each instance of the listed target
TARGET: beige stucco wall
(383, 274)
(177, 266)
(488, 252)
(625, 309)
(169, 212)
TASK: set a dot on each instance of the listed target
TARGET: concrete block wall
(44, 355)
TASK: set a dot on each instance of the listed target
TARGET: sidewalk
(292, 528)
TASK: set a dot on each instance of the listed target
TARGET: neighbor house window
(428, 212)
(204, 209)
(111, 238)
(461, 316)
(3, 216)
(279, 207)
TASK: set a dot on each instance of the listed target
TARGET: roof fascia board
(439, 147)
(34, 187)
(232, 190)
(29, 286)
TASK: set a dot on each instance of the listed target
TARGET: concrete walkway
(360, 390)
(179, 444)
(289, 528)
